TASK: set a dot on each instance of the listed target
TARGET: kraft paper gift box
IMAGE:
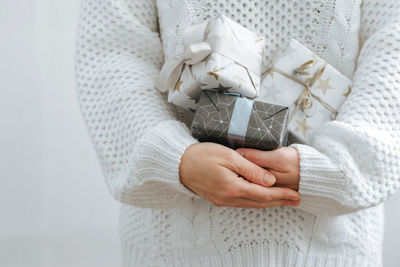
(218, 53)
(312, 89)
(231, 120)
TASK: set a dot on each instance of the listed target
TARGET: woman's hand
(223, 177)
(284, 163)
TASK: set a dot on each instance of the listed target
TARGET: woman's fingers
(277, 159)
(251, 171)
(283, 163)
(224, 177)
(235, 188)
(262, 158)
(265, 194)
(245, 194)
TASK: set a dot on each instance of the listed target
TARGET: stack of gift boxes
(219, 77)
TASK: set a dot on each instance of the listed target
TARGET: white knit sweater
(352, 167)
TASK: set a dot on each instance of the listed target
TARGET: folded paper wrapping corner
(219, 53)
(312, 89)
(231, 120)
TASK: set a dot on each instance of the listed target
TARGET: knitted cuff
(321, 182)
(159, 156)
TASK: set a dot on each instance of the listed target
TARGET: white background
(54, 207)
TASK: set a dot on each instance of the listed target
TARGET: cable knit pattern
(352, 166)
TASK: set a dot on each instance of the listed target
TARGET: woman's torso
(255, 237)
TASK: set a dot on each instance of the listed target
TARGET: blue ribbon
(239, 121)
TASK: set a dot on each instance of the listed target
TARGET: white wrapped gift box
(220, 54)
(312, 89)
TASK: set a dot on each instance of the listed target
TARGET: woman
(184, 202)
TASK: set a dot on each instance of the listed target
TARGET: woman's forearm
(134, 130)
(355, 160)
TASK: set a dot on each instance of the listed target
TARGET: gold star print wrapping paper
(332, 87)
(218, 69)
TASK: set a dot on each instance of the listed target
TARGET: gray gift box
(235, 121)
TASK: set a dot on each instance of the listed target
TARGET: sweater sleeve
(354, 162)
(138, 140)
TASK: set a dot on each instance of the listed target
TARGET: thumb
(253, 172)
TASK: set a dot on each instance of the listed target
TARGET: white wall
(54, 207)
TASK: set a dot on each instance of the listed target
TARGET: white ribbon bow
(197, 49)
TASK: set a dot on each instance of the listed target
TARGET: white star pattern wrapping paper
(233, 63)
(328, 90)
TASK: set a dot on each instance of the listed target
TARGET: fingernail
(269, 179)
